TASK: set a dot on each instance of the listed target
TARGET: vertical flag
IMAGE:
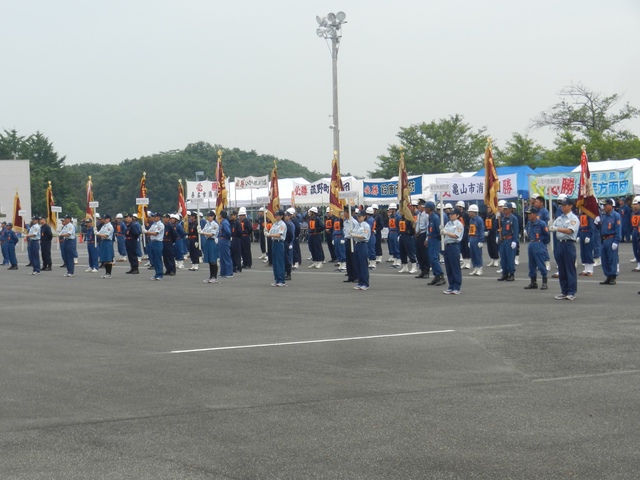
(221, 200)
(142, 209)
(404, 195)
(491, 182)
(587, 201)
(274, 195)
(89, 211)
(52, 217)
(335, 203)
(182, 206)
(18, 221)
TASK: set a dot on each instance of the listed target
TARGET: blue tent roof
(522, 173)
(558, 169)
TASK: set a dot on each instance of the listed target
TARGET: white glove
(597, 220)
(441, 228)
(290, 247)
(197, 245)
(497, 214)
(513, 245)
(215, 240)
(341, 242)
(587, 240)
(199, 230)
(552, 228)
(486, 234)
(614, 246)
(497, 239)
(144, 230)
(480, 244)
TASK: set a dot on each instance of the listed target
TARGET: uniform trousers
(226, 265)
(362, 257)
(609, 258)
(422, 256)
(476, 252)
(339, 248)
(236, 253)
(452, 264)
(507, 257)
(168, 257)
(433, 249)
(92, 251)
(5, 253)
(586, 251)
(394, 247)
(407, 249)
(315, 247)
(245, 248)
(132, 255)
(371, 247)
(537, 258)
(66, 250)
(194, 251)
(635, 244)
(350, 259)
(277, 257)
(11, 253)
(122, 248)
(154, 249)
(330, 246)
(45, 248)
(34, 251)
(567, 267)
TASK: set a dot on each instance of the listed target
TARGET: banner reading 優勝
(612, 183)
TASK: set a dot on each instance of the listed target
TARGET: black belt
(567, 241)
(605, 237)
(507, 238)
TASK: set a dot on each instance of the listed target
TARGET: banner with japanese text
(202, 189)
(317, 193)
(388, 189)
(242, 183)
(472, 188)
(613, 183)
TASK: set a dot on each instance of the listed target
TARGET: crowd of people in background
(433, 236)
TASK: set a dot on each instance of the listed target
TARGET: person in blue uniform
(155, 245)
(538, 235)
(349, 226)
(379, 224)
(11, 242)
(316, 228)
(371, 244)
(328, 234)
(178, 246)
(407, 243)
(361, 236)
(566, 227)
(277, 234)
(92, 249)
(508, 235)
(434, 244)
(490, 234)
(452, 235)
(422, 226)
(131, 235)
(224, 246)
(339, 243)
(611, 233)
(33, 239)
(544, 215)
(106, 235)
(288, 245)
(4, 238)
(67, 237)
(476, 239)
(625, 220)
(119, 228)
(586, 234)
(168, 248)
(247, 232)
(210, 232)
(46, 236)
(393, 236)
(296, 219)
(635, 231)
(236, 241)
(193, 244)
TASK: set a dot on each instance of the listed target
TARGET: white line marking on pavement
(236, 347)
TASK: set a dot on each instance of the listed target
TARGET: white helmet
(261, 209)
(502, 203)
(374, 206)
(313, 209)
(473, 208)
(291, 211)
(328, 210)
(119, 215)
(188, 213)
(393, 206)
(636, 200)
(242, 211)
(460, 203)
(439, 205)
(448, 206)
(562, 197)
(174, 216)
(414, 203)
(369, 210)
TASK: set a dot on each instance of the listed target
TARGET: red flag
(491, 182)
(587, 201)
(404, 194)
(335, 203)
(52, 217)
(142, 209)
(18, 221)
(182, 206)
(89, 211)
(274, 195)
(221, 200)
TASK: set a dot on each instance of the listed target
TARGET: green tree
(520, 150)
(448, 145)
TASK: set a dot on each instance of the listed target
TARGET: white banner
(472, 188)
(202, 189)
(251, 182)
(317, 193)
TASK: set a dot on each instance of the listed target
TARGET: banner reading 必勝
(317, 193)
(242, 183)
(472, 188)
(613, 183)
(388, 189)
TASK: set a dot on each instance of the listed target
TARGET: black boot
(607, 281)
(422, 274)
(503, 277)
(613, 280)
(510, 277)
(441, 280)
(434, 281)
(544, 284)
(533, 285)
(134, 271)
(287, 276)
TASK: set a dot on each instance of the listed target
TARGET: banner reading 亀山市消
(612, 183)
(472, 188)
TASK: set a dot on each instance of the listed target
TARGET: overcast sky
(118, 79)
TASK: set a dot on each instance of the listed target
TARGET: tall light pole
(330, 29)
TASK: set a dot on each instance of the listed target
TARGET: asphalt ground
(316, 380)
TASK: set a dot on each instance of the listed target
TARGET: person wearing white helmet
(236, 241)
(119, 228)
(211, 232)
(434, 243)
(371, 243)
(393, 235)
(476, 239)
(452, 235)
(635, 231)
(349, 226)
(508, 234)
(611, 232)
(261, 237)
(337, 235)
(297, 254)
(464, 244)
(422, 227)
(316, 228)
(361, 237)
(490, 234)
(407, 244)
(586, 234)
(193, 244)
(328, 233)
(245, 242)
